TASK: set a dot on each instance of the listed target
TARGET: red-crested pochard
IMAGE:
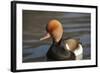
(69, 50)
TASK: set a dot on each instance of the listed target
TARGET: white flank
(78, 52)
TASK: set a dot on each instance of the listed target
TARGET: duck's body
(57, 51)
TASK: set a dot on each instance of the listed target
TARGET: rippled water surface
(75, 25)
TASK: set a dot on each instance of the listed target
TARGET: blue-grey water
(75, 25)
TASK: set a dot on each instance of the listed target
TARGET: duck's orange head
(54, 30)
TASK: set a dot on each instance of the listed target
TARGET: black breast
(58, 53)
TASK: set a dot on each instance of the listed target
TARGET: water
(75, 25)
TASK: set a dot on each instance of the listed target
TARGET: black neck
(57, 43)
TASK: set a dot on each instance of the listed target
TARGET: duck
(68, 49)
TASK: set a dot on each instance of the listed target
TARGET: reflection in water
(75, 25)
